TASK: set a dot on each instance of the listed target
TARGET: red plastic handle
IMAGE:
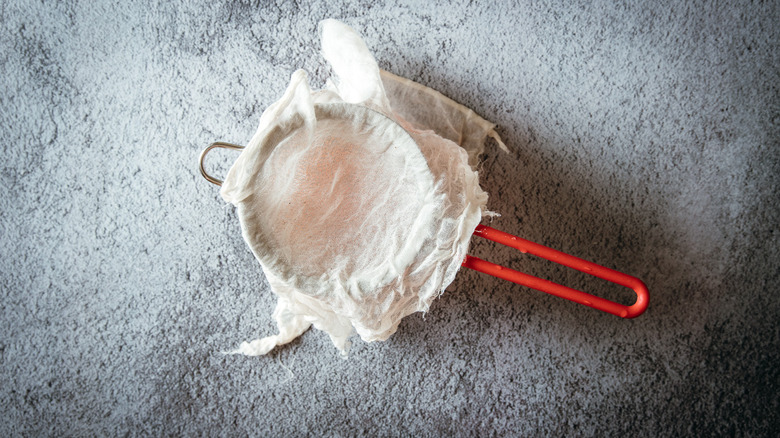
(526, 246)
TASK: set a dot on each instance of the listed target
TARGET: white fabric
(427, 109)
(357, 217)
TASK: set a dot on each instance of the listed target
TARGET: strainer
(529, 247)
(360, 200)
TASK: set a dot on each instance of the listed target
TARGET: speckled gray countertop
(644, 137)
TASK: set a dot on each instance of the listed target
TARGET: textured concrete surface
(644, 137)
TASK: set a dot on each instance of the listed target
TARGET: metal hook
(218, 144)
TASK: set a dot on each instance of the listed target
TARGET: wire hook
(218, 144)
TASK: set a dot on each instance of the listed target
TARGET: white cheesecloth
(358, 200)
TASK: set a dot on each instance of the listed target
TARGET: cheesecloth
(358, 200)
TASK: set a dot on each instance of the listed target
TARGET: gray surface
(644, 137)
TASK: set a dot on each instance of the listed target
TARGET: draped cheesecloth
(358, 200)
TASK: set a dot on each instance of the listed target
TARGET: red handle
(526, 246)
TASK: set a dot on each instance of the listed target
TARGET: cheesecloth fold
(358, 200)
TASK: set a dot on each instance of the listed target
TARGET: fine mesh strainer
(359, 201)
(528, 247)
